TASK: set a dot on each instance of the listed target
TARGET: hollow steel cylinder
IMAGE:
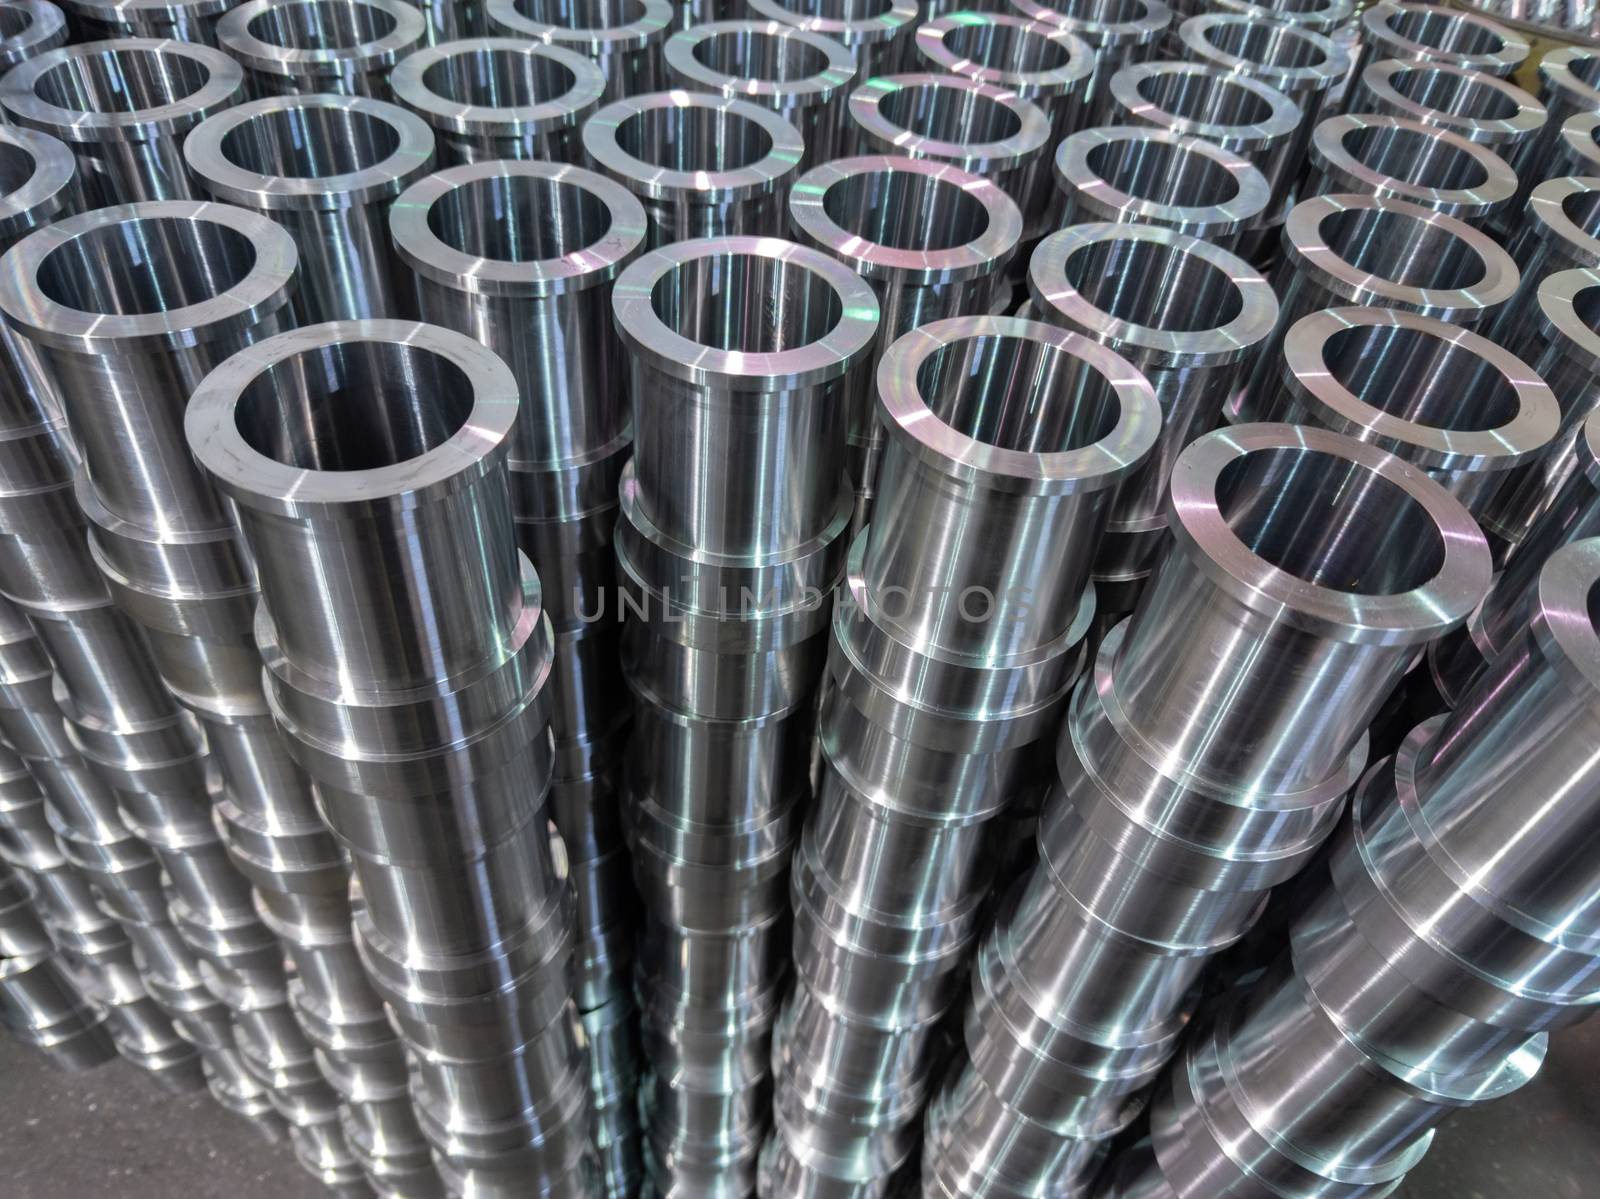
(1480, 107)
(878, 35)
(931, 239)
(1238, 112)
(1037, 60)
(979, 127)
(1559, 230)
(43, 1005)
(702, 165)
(1191, 326)
(623, 38)
(1415, 31)
(326, 169)
(1567, 77)
(1576, 150)
(1118, 31)
(1323, 16)
(339, 47)
(500, 97)
(1158, 177)
(179, 20)
(801, 75)
(125, 106)
(1406, 159)
(29, 28)
(767, 389)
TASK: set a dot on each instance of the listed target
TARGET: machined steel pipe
(801, 75)
(1406, 159)
(339, 47)
(325, 168)
(43, 1004)
(1322, 16)
(1157, 177)
(932, 240)
(877, 33)
(1480, 107)
(1413, 31)
(179, 20)
(28, 29)
(1118, 31)
(125, 106)
(1191, 325)
(976, 126)
(1558, 231)
(500, 97)
(703, 165)
(623, 37)
(1577, 148)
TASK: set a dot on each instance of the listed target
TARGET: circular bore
(29, 28)
(1037, 60)
(1568, 210)
(1578, 151)
(134, 89)
(1409, 160)
(977, 126)
(1323, 16)
(1228, 486)
(849, 208)
(1143, 173)
(1102, 22)
(856, 24)
(1209, 308)
(1439, 396)
(1096, 454)
(204, 271)
(1380, 251)
(605, 27)
(244, 427)
(671, 144)
(309, 151)
(312, 41)
(767, 62)
(146, 18)
(1569, 315)
(498, 87)
(1449, 35)
(1566, 613)
(1291, 58)
(1204, 101)
(38, 173)
(816, 319)
(1570, 77)
(594, 226)
(1478, 106)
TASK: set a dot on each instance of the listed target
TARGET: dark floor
(111, 1133)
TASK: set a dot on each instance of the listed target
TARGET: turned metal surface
(500, 97)
(623, 37)
(180, 20)
(1323, 16)
(325, 168)
(1189, 316)
(977, 126)
(878, 33)
(42, 1003)
(1407, 159)
(703, 165)
(1454, 36)
(801, 75)
(1477, 105)
(28, 29)
(1158, 177)
(1559, 230)
(343, 47)
(125, 107)
(1576, 150)
(1118, 31)
(1301, 63)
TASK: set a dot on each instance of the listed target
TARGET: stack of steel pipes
(1455, 928)
(42, 1003)
(1176, 806)
(735, 512)
(952, 653)
(535, 288)
(407, 658)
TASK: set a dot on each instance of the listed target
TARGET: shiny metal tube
(623, 36)
(1191, 324)
(1559, 231)
(1323, 16)
(976, 126)
(799, 74)
(1238, 112)
(29, 28)
(1119, 32)
(703, 165)
(1576, 150)
(338, 47)
(877, 33)
(1423, 31)
(1406, 159)
(1477, 105)
(1037, 60)
(1157, 177)
(931, 239)
(125, 106)
(179, 20)
(325, 168)
(495, 98)
(41, 1003)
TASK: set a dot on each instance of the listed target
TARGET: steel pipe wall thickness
(342, 47)
(179, 20)
(1118, 31)
(1415, 31)
(624, 40)
(31, 28)
(880, 37)
(1480, 107)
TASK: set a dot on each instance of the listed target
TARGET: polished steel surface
(1427, 32)
(180, 20)
(1118, 31)
(339, 47)
(623, 37)
(879, 34)
(29, 28)
(1480, 107)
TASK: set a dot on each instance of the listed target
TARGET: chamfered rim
(896, 18)
(408, 84)
(47, 192)
(1330, 155)
(1378, 80)
(1031, 138)
(1282, 123)
(1560, 324)
(1335, 64)
(233, 34)
(1376, 28)
(654, 20)
(1150, 24)
(47, 29)
(1557, 73)
(1071, 76)
(820, 88)
(1547, 208)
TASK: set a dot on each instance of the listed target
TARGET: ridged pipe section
(124, 106)
(879, 34)
(179, 20)
(932, 240)
(623, 37)
(42, 1004)
(337, 47)
(29, 28)
(1181, 799)
(1416, 31)
(1480, 107)
(418, 702)
(801, 75)
(491, 98)
(1192, 325)
(1453, 929)
(1118, 31)
(702, 165)
(325, 168)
